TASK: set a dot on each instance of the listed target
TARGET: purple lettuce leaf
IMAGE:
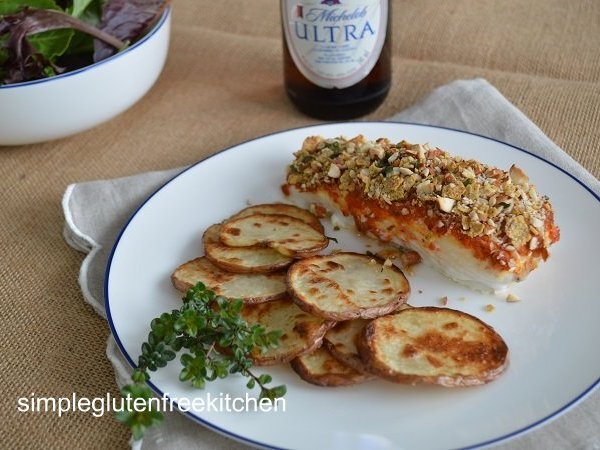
(127, 20)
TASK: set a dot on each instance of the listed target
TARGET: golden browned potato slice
(321, 368)
(434, 346)
(288, 235)
(251, 288)
(284, 209)
(345, 286)
(341, 343)
(242, 259)
(302, 333)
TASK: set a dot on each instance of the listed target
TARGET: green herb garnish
(335, 148)
(206, 322)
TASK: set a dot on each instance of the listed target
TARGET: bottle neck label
(335, 43)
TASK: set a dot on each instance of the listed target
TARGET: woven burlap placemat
(222, 85)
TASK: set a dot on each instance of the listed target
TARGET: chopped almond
(512, 298)
(446, 204)
(517, 175)
(334, 171)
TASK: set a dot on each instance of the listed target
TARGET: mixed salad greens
(43, 38)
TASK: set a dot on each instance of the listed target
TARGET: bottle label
(335, 43)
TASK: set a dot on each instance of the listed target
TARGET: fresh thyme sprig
(218, 342)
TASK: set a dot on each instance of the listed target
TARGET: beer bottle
(336, 56)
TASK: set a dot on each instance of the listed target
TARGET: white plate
(551, 333)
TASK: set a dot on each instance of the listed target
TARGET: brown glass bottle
(319, 96)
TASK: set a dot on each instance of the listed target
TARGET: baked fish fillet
(479, 225)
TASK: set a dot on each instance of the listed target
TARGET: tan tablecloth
(222, 85)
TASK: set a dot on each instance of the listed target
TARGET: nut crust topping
(481, 199)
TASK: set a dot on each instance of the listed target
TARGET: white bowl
(51, 108)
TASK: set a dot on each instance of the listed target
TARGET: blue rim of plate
(506, 437)
(152, 32)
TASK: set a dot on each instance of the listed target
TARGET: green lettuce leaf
(90, 12)
(53, 43)
(79, 7)
(8, 7)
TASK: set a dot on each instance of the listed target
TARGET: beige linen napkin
(96, 211)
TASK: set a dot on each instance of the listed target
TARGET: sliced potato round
(288, 235)
(302, 333)
(345, 286)
(341, 343)
(433, 346)
(251, 288)
(283, 209)
(321, 368)
(342, 338)
(254, 259)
